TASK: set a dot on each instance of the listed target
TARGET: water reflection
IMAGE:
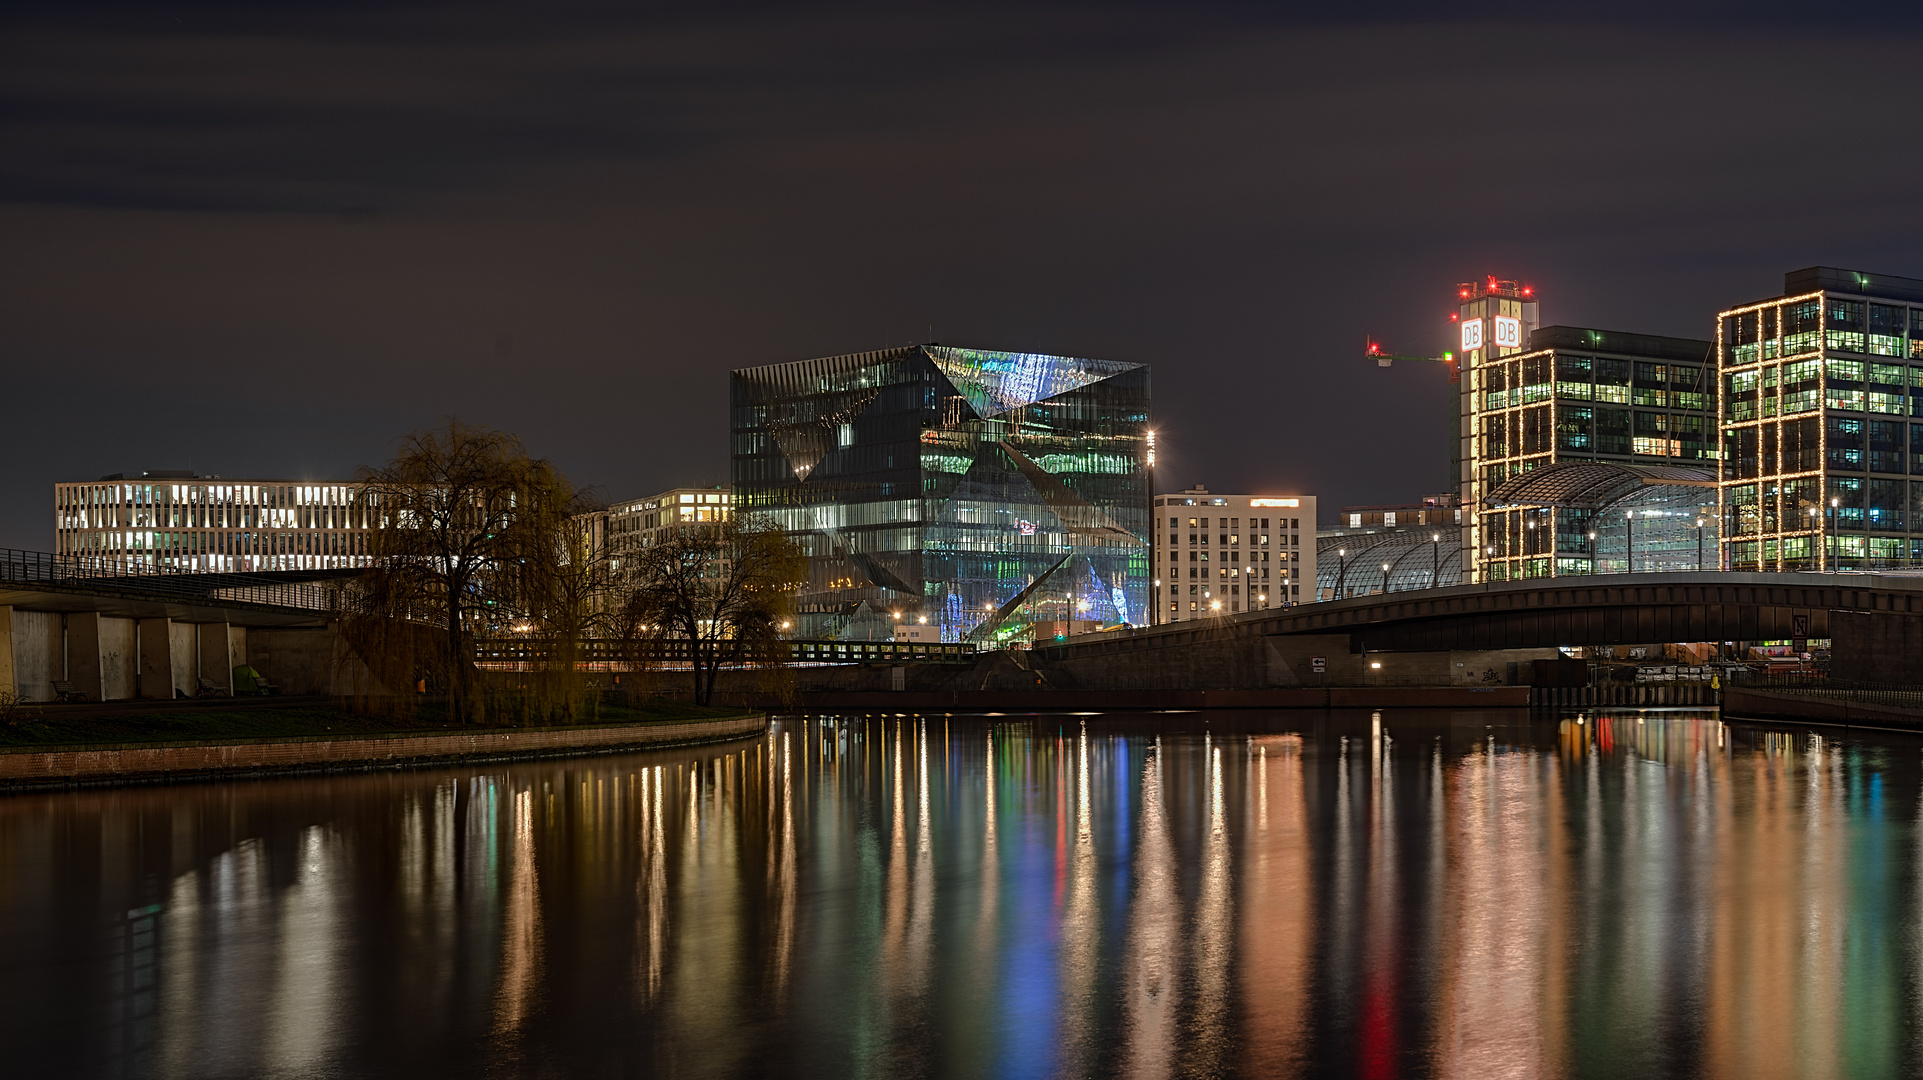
(1392, 894)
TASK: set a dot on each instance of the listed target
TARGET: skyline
(272, 242)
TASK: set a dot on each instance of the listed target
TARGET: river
(1401, 894)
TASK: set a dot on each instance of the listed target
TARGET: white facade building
(1226, 554)
(206, 524)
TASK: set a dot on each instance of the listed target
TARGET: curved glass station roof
(1596, 517)
(1419, 557)
(1594, 485)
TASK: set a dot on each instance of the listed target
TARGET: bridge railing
(601, 653)
(1817, 684)
(19, 567)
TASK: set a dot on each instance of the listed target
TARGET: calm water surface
(1288, 894)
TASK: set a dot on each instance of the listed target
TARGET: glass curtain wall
(1822, 430)
(976, 492)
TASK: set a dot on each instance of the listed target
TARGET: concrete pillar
(83, 654)
(156, 659)
(216, 657)
(9, 682)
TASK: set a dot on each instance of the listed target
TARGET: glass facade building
(982, 491)
(1821, 414)
(1531, 398)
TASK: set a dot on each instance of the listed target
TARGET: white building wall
(1266, 543)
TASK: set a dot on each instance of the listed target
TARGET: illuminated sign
(1508, 332)
(1472, 335)
(1027, 527)
(1275, 502)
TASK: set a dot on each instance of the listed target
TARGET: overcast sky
(265, 240)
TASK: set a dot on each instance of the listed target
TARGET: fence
(73, 571)
(510, 653)
(1905, 695)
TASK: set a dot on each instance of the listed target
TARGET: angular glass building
(975, 492)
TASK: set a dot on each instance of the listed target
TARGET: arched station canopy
(1419, 557)
(1592, 485)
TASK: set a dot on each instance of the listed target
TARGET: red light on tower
(1526, 290)
(1453, 316)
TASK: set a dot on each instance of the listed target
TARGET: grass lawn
(68, 725)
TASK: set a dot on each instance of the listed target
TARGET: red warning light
(1526, 290)
(1453, 316)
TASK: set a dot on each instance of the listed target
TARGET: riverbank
(986, 701)
(47, 726)
(172, 754)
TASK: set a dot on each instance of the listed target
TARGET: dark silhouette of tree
(714, 595)
(470, 539)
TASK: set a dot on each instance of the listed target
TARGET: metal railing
(1814, 684)
(19, 567)
(601, 652)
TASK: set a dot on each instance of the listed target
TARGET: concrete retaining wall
(1656, 694)
(155, 763)
(39, 653)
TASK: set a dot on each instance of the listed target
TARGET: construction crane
(1384, 359)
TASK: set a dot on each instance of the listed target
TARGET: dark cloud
(270, 238)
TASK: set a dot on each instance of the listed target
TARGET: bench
(265, 688)
(68, 692)
(208, 688)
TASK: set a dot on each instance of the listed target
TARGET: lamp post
(1592, 554)
(1816, 526)
(1629, 540)
(1836, 528)
(1435, 560)
(1341, 570)
(1385, 579)
(1699, 543)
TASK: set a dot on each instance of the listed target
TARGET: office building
(177, 520)
(1819, 390)
(1225, 554)
(983, 491)
(1535, 397)
(628, 527)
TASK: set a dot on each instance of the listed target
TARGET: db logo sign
(1508, 332)
(1472, 335)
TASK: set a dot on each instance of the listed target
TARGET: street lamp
(1699, 543)
(1385, 579)
(1836, 527)
(1629, 540)
(1592, 554)
(1435, 560)
(1341, 570)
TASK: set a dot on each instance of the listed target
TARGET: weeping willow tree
(472, 540)
(713, 595)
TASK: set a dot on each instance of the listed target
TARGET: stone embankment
(78, 766)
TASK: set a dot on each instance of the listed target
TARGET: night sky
(264, 240)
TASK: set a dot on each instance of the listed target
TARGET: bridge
(1875, 620)
(115, 632)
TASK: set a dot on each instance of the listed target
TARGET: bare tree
(467, 533)
(714, 595)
